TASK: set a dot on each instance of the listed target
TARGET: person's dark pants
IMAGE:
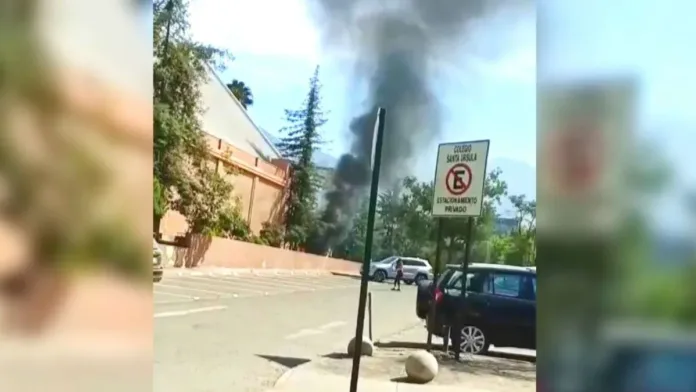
(397, 280)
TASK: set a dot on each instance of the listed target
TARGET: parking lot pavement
(182, 288)
(222, 343)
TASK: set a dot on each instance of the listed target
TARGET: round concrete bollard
(367, 347)
(421, 366)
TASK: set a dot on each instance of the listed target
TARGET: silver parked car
(415, 269)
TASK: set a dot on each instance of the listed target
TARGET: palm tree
(242, 92)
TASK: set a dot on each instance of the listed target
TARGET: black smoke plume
(396, 45)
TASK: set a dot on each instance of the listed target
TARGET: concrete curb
(241, 272)
(282, 380)
(286, 375)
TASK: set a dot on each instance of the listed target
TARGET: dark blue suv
(500, 306)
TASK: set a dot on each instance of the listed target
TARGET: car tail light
(438, 296)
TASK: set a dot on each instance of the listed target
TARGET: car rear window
(455, 281)
(413, 262)
(444, 277)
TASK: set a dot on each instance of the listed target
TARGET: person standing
(399, 275)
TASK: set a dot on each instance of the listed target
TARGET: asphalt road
(226, 333)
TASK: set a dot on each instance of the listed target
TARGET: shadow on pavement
(489, 365)
(288, 362)
(405, 380)
(337, 356)
(347, 275)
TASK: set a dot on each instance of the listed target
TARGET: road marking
(315, 331)
(189, 311)
(264, 284)
(333, 324)
(304, 333)
(171, 302)
(214, 283)
(313, 283)
(192, 289)
(237, 285)
(175, 295)
(289, 282)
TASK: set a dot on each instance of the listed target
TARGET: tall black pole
(374, 191)
(459, 321)
(432, 311)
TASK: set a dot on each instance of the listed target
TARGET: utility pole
(372, 209)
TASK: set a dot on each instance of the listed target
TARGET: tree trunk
(157, 221)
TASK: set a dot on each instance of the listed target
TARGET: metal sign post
(460, 175)
(432, 314)
(374, 191)
(459, 321)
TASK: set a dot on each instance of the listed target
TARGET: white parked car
(415, 269)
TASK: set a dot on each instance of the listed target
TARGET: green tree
(523, 237)
(500, 246)
(405, 224)
(242, 92)
(271, 234)
(418, 225)
(160, 203)
(203, 199)
(180, 151)
(298, 145)
(353, 246)
(389, 228)
(231, 224)
(454, 230)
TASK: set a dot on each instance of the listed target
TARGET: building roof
(224, 117)
(320, 159)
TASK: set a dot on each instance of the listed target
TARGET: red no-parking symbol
(458, 179)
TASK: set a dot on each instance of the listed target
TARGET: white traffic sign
(460, 174)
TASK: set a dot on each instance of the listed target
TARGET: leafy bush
(257, 240)
(231, 224)
(272, 234)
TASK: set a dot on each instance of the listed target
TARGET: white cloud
(260, 27)
(518, 66)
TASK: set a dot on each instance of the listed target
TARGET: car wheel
(473, 340)
(420, 277)
(408, 282)
(379, 276)
(157, 279)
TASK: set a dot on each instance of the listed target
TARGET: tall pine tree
(301, 138)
